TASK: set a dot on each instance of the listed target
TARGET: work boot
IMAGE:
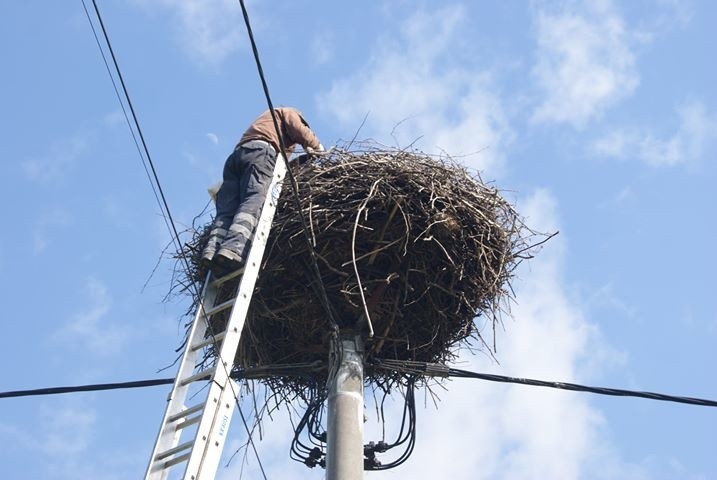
(225, 262)
(216, 237)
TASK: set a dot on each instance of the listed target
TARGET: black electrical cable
(124, 112)
(175, 237)
(86, 388)
(615, 392)
(251, 441)
(314, 263)
(299, 369)
(137, 126)
(409, 413)
(311, 422)
(438, 370)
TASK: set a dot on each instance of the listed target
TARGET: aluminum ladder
(201, 449)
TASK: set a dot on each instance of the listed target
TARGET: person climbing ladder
(246, 178)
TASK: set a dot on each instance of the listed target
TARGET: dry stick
(353, 256)
(373, 253)
(383, 232)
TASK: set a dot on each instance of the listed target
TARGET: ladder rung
(198, 376)
(176, 460)
(174, 450)
(226, 278)
(189, 422)
(186, 412)
(218, 308)
(210, 341)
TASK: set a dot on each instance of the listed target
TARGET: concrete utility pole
(344, 443)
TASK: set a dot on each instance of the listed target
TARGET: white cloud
(61, 439)
(619, 197)
(90, 329)
(322, 49)
(67, 431)
(54, 167)
(697, 129)
(208, 30)
(48, 221)
(584, 62)
(498, 431)
(64, 431)
(114, 118)
(413, 87)
(675, 13)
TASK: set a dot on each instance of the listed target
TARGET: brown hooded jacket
(294, 130)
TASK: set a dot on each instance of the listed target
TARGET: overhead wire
(294, 186)
(164, 204)
(126, 116)
(415, 368)
(171, 224)
(287, 370)
(438, 370)
(86, 388)
(309, 455)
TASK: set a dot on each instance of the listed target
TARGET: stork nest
(414, 244)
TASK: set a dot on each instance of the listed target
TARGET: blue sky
(599, 119)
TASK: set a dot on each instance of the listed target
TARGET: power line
(86, 388)
(173, 230)
(404, 366)
(615, 392)
(437, 370)
(124, 112)
(294, 186)
(286, 370)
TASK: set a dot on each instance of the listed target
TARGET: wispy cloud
(208, 30)
(696, 130)
(64, 431)
(68, 430)
(506, 432)
(47, 222)
(413, 91)
(584, 62)
(322, 49)
(675, 13)
(90, 329)
(61, 439)
(54, 166)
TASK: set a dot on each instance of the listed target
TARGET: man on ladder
(242, 227)
(247, 174)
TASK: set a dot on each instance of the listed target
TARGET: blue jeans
(247, 175)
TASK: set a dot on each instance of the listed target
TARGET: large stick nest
(434, 247)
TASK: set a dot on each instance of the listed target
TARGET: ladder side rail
(213, 427)
(168, 438)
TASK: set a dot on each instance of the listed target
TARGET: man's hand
(317, 152)
(314, 151)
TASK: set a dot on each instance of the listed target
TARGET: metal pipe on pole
(344, 442)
